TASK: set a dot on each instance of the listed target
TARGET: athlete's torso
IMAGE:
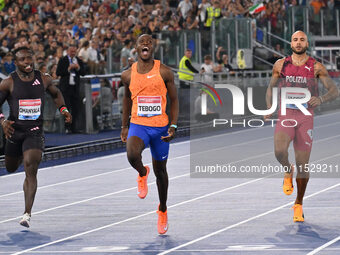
(148, 95)
(26, 102)
(299, 76)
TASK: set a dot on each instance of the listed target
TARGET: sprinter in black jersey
(24, 91)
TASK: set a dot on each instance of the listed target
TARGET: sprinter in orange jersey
(147, 84)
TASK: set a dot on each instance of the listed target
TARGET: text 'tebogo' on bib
(149, 106)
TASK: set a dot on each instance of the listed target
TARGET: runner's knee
(133, 156)
(280, 154)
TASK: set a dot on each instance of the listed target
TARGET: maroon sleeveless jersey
(299, 76)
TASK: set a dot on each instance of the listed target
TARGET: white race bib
(149, 106)
(29, 109)
(292, 95)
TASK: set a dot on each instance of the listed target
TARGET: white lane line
(172, 144)
(89, 199)
(110, 172)
(88, 177)
(120, 191)
(181, 203)
(133, 218)
(180, 251)
(128, 189)
(82, 161)
(326, 158)
(69, 181)
(243, 222)
(324, 246)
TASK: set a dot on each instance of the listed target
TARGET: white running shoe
(25, 221)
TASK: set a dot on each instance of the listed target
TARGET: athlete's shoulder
(165, 67)
(319, 69)
(6, 83)
(166, 72)
(126, 76)
(278, 65)
(280, 61)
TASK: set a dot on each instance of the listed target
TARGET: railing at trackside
(325, 55)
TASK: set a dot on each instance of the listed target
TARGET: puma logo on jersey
(36, 82)
(308, 68)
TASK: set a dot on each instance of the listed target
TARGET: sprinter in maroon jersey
(301, 71)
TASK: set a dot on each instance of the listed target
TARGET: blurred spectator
(42, 67)
(94, 57)
(213, 13)
(277, 56)
(207, 70)
(8, 63)
(69, 69)
(4, 47)
(223, 61)
(52, 70)
(186, 70)
(317, 5)
(102, 106)
(84, 54)
(202, 8)
(125, 54)
(120, 93)
(184, 7)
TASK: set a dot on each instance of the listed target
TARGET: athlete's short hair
(15, 51)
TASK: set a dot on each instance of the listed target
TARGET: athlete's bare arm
(6, 87)
(273, 82)
(127, 104)
(327, 82)
(168, 78)
(56, 95)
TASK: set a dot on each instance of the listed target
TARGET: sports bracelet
(124, 126)
(174, 126)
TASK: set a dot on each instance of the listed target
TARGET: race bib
(296, 96)
(149, 106)
(29, 109)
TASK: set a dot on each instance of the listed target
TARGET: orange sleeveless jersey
(148, 95)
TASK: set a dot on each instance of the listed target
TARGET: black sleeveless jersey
(26, 102)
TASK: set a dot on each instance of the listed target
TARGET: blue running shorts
(152, 136)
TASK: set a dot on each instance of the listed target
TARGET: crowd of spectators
(97, 25)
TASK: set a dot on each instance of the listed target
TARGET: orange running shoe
(298, 213)
(162, 224)
(142, 183)
(288, 187)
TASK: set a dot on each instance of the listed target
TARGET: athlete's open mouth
(145, 51)
(29, 67)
